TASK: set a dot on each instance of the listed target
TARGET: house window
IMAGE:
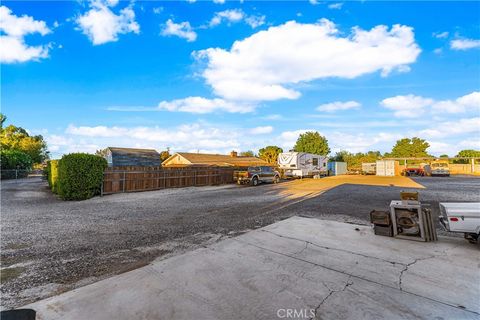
(315, 161)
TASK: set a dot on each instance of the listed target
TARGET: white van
(302, 164)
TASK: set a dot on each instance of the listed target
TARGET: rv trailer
(302, 164)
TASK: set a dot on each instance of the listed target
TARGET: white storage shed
(388, 168)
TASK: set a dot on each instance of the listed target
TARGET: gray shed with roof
(117, 157)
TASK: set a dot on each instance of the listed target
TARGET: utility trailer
(302, 164)
(462, 217)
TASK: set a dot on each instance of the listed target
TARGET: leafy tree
(164, 155)
(354, 161)
(3, 118)
(248, 153)
(312, 142)
(15, 159)
(270, 153)
(101, 153)
(409, 148)
(444, 156)
(468, 153)
(17, 138)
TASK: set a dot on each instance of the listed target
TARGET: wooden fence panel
(135, 179)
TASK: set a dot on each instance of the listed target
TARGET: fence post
(123, 181)
(16, 174)
(101, 188)
(472, 167)
(164, 180)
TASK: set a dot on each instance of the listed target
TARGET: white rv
(302, 164)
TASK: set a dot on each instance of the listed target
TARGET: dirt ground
(49, 246)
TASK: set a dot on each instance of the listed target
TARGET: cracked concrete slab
(320, 269)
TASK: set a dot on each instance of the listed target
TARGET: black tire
(254, 182)
(276, 179)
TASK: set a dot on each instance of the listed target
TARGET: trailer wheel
(276, 179)
(254, 181)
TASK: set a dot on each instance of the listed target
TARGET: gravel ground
(49, 246)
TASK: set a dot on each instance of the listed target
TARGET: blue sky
(217, 76)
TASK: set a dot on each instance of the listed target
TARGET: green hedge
(80, 176)
(52, 174)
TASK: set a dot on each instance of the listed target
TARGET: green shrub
(15, 159)
(15, 164)
(80, 176)
(51, 171)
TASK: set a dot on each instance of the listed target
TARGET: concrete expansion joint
(348, 283)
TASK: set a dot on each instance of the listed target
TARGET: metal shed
(117, 157)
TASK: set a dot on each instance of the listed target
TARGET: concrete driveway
(298, 268)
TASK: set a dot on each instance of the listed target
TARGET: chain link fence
(15, 174)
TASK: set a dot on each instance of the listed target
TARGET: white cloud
(235, 16)
(203, 105)
(438, 51)
(265, 65)
(409, 106)
(338, 105)
(12, 40)
(157, 10)
(273, 117)
(464, 44)
(412, 106)
(261, 130)
(452, 128)
(337, 5)
(440, 148)
(460, 105)
(101, 25)
(231, 16)
(98, 131)
(314, 2)
(255, 21)
(182, 30)
(219, 1)
(288, 139)
(361, 142)
(441, 35)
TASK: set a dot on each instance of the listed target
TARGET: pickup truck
(256, 175)
(439, 169)
(463, 217)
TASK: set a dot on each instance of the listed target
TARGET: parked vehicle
(302, 164)
(438, 168)
(256, 175)
(463, 217)
(413, 172)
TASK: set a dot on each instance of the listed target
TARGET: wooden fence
(134, 179)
